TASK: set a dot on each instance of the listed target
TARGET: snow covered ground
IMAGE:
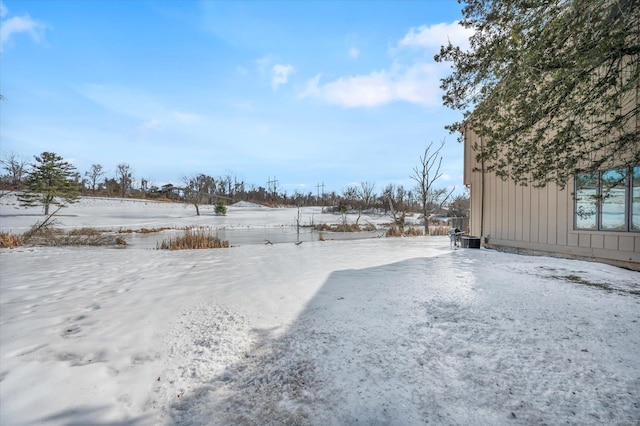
(379, 331)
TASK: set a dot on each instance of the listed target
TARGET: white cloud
(417, 84)
(186, 118)
(408, 78)
(152, 124)
(312, 88)
(433, 36)
(280, 75)
(354, 52)
(264, 63)
(138, 105)
(16, 25)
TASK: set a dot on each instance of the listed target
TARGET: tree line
(50, 180)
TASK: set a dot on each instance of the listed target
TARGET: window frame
(599, 199)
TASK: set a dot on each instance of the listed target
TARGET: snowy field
(375, 331)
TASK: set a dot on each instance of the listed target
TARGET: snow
(371, 331)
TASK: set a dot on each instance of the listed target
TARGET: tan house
(578, 221)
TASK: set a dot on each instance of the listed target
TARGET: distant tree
(50, 182)
(124, 176)
(365, 196)
(145, 186)
(459, 206)
(426, 175)
(396, 199)
(93, 177)
(112, 186)
(221, 208)
(198, 190)
(16, 169)
(553, 85)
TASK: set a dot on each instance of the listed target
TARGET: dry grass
(49, 236)
(85, 231)
(414, 231)
(345, 227)
(142, 230)
(193, 239)
(8, 240)
(410, 231)
(439, 230)
(417, 231)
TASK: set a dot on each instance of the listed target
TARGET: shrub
(193, 239)
(345, 227)
(439, 230)
(221, 209)
(85, 231)
(141, 230)
(411, 231)
(50, 236)
(393, 231)
(8, 240)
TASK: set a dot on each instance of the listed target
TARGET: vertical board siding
(552, 214)
(513, 210)
(519, 214)
(490, 214)
(535, 215)
(611, 242)
(526, 213)
(563, 217)
(497, 207)
(543, 211)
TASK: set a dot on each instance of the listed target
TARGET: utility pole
(272, 184)
(318, 186)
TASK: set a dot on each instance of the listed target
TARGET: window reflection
(613, 199)
(608, 200)
(586, 197)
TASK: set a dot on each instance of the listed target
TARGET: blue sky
(331, 92)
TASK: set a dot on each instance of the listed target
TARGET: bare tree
(350, 199)
(16, 169)
(426, 175)
(459, 206)
(124, 176)
(395, 198)
(94, 175)
(365, 195)
(198, 189)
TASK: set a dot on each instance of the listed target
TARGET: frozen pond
(252, 236)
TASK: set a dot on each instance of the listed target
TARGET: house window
(586, 201)
(608, 200)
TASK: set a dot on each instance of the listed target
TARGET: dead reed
(439, 230)
(8, 240)
(193, 239)
(345, 227)
(142, 230)
(408, 231)
(50, 236)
